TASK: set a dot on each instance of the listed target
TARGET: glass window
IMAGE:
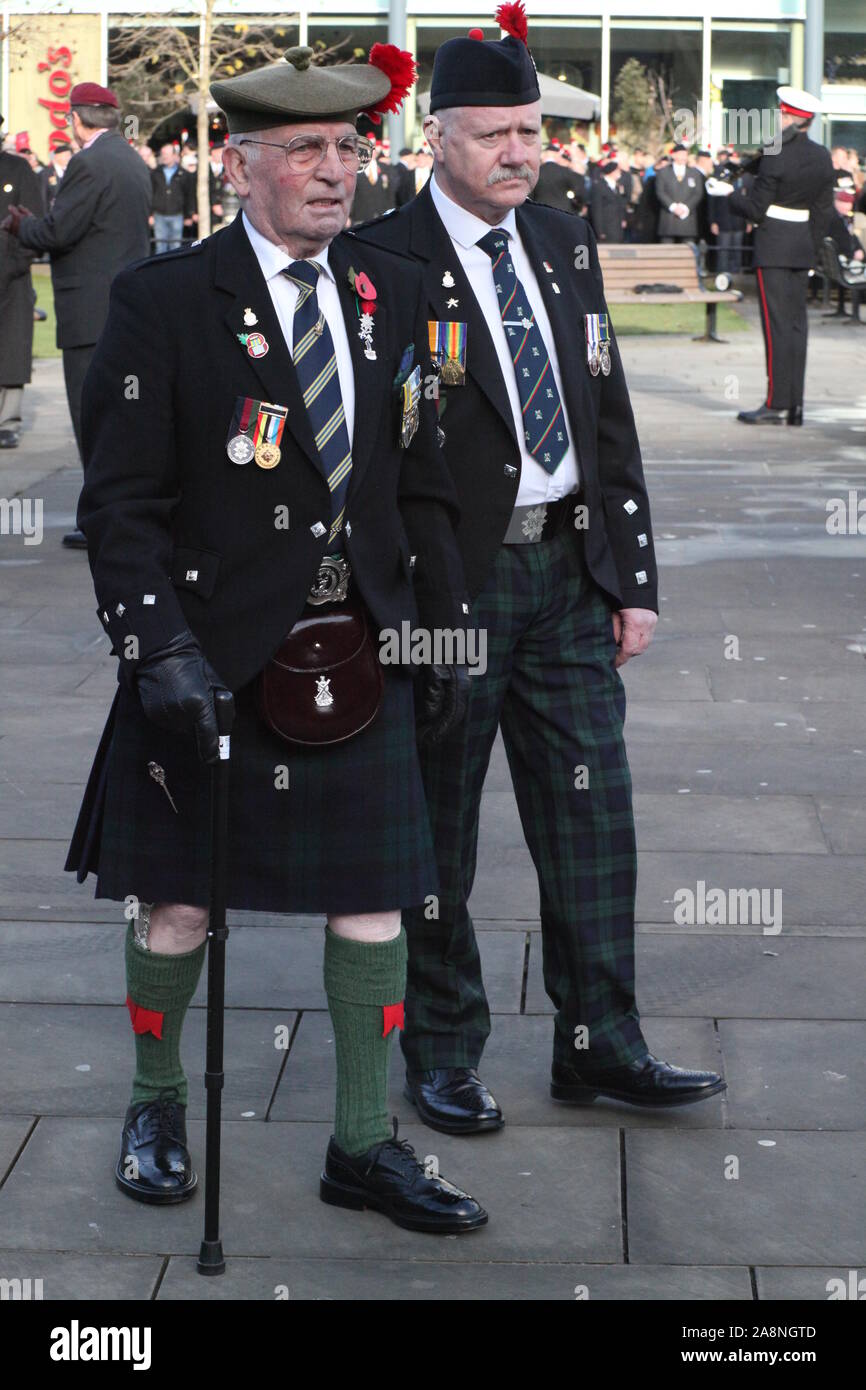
(845, 41)
(670, 49)
(747, 63)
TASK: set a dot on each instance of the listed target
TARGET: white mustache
(503, 172)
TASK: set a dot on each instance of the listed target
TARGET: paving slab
(796, 1200)
(818, 1284)
(58, 1277)
(745, 769)
(423, 1280)
(78, 1060)
(728, 977)
(843, 819)
(13, 1132)
(552, 1194)
(817, 890)
(788, 1074)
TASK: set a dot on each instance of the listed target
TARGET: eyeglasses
(306, 152)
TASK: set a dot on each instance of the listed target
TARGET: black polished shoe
(390, 1179)
(453, 1100)
(9, 439)
(762, 416)
(647, 1082)
(795, 415)
(154, 1163)
(75, 540)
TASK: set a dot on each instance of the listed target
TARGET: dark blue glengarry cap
(478, 72)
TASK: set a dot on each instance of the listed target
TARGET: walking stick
(211, 1259)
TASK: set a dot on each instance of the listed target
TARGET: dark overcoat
(97, 225)
(19, 186)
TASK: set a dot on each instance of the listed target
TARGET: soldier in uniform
(257, 448)
(555, 531)
(791, 205)
(18, 184)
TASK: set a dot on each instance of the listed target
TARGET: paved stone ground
(749, 772)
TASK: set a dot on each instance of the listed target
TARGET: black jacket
(176, 198)
(559, 187)
(607, 212)
(19, 186)
(689, 190)
(480, 446)
(801, 176)
(97, 226)
(168, 515)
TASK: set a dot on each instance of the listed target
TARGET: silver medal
(593, 364)
(605, 361)
(240, 448)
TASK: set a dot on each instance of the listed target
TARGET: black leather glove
(176, 686)
(443, 693)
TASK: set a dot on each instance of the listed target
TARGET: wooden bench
(623, 267)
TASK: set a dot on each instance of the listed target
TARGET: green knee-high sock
(361, 979)
(164, 984)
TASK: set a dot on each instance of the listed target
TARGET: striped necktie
(316, 366)
(544, 427)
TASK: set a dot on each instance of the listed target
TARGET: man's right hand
(176, 687)
(13, 219)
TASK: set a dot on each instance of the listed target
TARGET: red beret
(91, 94)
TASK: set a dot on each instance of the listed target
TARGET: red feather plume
(400, 67)
(512, 18)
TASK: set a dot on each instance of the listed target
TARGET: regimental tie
(316, 365)
(544, 425)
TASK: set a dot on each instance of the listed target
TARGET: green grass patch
(44, 334)
(673, 318)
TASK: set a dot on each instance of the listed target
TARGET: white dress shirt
(465, 231)
(273, 260)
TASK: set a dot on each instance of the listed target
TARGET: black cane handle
(224, 705)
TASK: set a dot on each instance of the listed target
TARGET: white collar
(463, 226)
(274, 259)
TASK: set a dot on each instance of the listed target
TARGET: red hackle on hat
(400, 67)
(512, 18)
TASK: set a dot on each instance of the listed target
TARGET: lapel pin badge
(548, 267)
(448, 280)
(256, 344)
(249, 318)
(365, 298)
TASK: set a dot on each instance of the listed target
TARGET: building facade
(714, 56)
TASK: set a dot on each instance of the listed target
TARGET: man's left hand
(13, 219)
(441, 702)
(633, 630)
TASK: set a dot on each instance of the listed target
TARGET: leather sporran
(325, 681)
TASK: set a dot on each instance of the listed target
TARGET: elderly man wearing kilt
(259, 456)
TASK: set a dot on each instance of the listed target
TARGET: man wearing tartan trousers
(537, 429)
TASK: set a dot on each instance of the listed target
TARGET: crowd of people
(630, 197)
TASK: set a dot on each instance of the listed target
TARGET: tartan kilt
(349, 833)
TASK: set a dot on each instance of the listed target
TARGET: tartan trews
(552, 685)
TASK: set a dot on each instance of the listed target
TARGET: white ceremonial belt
(788, 214)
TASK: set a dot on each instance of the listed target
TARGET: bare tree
(163, 63)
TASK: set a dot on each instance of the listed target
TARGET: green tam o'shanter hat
(296, 89)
